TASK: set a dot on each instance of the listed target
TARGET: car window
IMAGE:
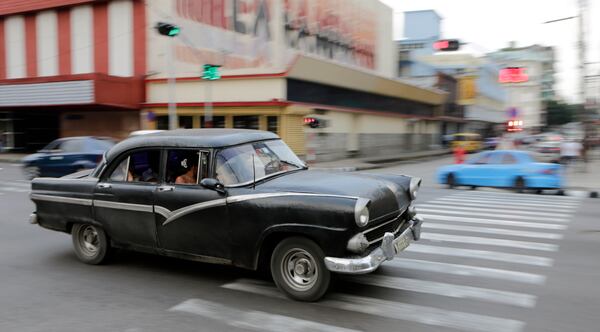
(482, 159)
(100, 144)
(186, 166)
(235, 164)
(72, 146)
(141, 166)
(508, 159)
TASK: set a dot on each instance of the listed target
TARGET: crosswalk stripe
(506, 206)
(480, 254)
(539, 225)
(493, 215)
(489, 241)
(490, 230)
(252, 320)
(509, 202)
(466, 270)
(499, 211)
(395, 310)
(523, 197)
(511, 193)
(446, 289)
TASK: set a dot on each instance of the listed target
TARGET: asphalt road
(489, 261)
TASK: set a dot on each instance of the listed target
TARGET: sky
(491, 24)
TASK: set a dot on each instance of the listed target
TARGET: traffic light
(312, 122)
(514, 126)
(211, 72)
(445, 45)
(167, 29)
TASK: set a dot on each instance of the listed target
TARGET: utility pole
(582, 50)
(170, 30)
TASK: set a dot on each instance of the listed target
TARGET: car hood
(32, 157)
(387, 193)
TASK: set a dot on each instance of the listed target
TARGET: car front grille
(375, 234)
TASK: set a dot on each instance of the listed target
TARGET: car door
(190, 219)
(124, 198)
(474, 172)
(507, 170)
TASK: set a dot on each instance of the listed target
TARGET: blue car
(503, 169)
(65, 156)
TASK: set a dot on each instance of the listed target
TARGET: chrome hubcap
(299, 269)
(88, 240)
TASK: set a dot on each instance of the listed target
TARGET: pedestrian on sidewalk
(569, 152)
(459, 154)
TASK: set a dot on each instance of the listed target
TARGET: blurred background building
(70, 67)
(529, 98)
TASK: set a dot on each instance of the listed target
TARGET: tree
(558, 113)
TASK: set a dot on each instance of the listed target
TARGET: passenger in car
(190, 176)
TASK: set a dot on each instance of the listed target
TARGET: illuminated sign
(513, 75)
(514, 125)
(447, 45)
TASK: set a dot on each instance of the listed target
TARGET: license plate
(401, 244)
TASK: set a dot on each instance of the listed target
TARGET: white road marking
(15, 184)
(446, 289)
(13, 189)
(507, 212)
(466, 270)
(252, 320)
(540, 225)
(395, 310)
(519, 197)
(489, 230)
(480, 254)
(489, 241)
(509, 202)
(441, 210)
(507, 206)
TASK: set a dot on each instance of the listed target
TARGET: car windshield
(234, 164)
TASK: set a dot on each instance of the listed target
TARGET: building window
(245, 122)
(162, 122)
(186, 122)
(218, 122)
(272, 124)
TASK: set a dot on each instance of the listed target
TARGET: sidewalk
(361, 164)
(12, 157)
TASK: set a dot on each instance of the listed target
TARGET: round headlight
(413, 188)
(363, 217)
(361, 212)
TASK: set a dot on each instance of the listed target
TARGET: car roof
(195, 138)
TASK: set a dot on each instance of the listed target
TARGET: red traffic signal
(447, 45)
(312, 122)
(514, 125)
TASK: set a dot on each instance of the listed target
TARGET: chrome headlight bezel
(361, 212)
(413, 188)
(358, 244)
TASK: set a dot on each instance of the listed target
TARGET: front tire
(90, 243)
(298, 269)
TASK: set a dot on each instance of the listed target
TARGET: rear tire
(90, 243)
(520, 185)
(298, 269)
(451, 181)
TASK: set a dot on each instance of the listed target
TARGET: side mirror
(213, 184)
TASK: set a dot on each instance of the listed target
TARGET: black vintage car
(237, 197)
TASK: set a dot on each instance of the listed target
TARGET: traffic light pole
(208, 107)
(173, 123)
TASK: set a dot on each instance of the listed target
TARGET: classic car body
(504, 169)
(324, 222)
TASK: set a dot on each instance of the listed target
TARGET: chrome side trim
(62, 199)
(193, 208)
(123, 206)
(242, 198)
(162, 211)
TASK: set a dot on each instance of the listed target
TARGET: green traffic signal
(211, 72)
(167, 29)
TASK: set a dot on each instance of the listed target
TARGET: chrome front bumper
(390, 247)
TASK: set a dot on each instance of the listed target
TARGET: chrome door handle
(165, 188)
(56, 158)
(104, 185)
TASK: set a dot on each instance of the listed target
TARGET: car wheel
(451, 181)
(298, 269)
(91, 243)
(520, 185)
(32, 172)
